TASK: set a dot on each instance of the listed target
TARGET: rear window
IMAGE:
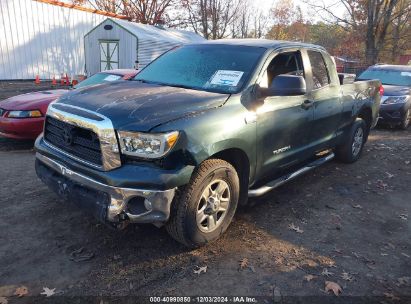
(388, 77)
(319, 69)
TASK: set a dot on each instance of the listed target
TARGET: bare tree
(143, 11)
(371, 17)
(211, 18)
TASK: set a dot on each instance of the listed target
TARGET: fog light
(148, 205)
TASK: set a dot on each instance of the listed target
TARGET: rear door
(326, 95)
(283, 123)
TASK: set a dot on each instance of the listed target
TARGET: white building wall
(42, 39)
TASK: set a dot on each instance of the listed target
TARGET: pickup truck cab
(201, 129)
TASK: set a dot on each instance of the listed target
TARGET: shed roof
(151, 32)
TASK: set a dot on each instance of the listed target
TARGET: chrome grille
(74, 140)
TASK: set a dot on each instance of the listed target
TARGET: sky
(265, 5)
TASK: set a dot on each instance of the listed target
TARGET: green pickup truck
(200, 130)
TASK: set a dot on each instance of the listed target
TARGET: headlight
(395, 99)
(24, 114)
(146, 145)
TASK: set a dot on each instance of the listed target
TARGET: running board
(283, 179)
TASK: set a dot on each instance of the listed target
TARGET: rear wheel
(406, 120)
(203, 209)
(350, 150)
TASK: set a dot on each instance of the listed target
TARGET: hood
(136, 106)
(391, 90)
(31, 101)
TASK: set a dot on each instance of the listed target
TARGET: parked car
(201, 129)
(22, 116)
(396, 102)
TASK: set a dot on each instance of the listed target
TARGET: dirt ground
(348, 224)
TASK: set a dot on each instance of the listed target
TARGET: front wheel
(350, 150)
(406, 120)
(203, 209)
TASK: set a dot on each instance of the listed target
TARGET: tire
(406, 120)
(350, 150)
(190, 204)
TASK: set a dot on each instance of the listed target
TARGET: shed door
(108, 55)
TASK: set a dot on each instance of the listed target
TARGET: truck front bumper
(112, 205)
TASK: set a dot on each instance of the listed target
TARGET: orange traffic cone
(54, 82)
(62, 79)
(74, 82)
(37, 81)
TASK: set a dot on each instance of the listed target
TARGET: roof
(122, 72)
(151, 32)
(344, 59)
(83, 8)
(392, 67)
(264, 43)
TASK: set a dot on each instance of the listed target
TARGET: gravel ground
(348, 224)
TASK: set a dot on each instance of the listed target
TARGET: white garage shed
(119, 44)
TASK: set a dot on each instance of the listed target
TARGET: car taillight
(381, 90)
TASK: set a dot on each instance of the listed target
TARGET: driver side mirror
(287, 85)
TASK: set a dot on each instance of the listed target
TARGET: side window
(319, 69)
(289, 63)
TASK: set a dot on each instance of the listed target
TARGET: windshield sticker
(406, 74)
(226, 78)
(112, 78)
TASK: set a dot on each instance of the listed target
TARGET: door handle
(308, 103)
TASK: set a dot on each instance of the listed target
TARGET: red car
(22, 116)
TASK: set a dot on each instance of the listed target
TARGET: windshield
(389, 77)
(214, 68)
(98, 79)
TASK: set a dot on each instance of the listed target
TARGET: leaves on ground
(79, 255)
(48, 292)
(327, 273)
(200, 270)
(3, 300)
(309, 277)
(391, 296)
(334, 287)
(403, 281)
(403, 217)
(243, 263)
(346, 276)
(295, 228)
(357, 206)
(389, 175)
(21, 291)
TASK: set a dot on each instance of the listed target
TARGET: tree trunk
(371, 54)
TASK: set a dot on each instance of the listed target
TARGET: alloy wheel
(358, 142)
(213, 205)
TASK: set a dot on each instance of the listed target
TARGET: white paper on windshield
(406, 74)
(226, 78)
(112, 78)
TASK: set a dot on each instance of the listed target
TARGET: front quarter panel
(206, 133)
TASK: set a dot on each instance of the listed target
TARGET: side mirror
(287, 85)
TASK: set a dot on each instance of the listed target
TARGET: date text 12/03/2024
(204, 299)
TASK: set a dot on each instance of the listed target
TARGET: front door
(108, 55)
(284, 124)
